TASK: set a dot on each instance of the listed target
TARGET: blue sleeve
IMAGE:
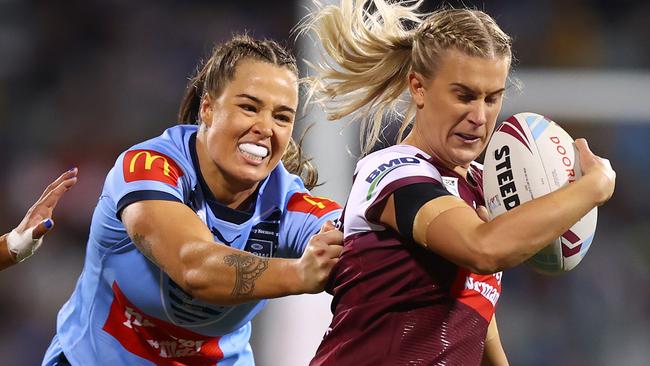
(145, 173)
(303, 217)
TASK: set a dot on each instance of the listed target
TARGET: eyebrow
(281, 108)
(468, 89)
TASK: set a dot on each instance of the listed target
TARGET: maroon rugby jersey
(396, 303)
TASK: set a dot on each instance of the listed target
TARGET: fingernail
(47, 223)
(73, 168)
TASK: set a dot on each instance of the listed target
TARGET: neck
(225, 189)
(462, 170)
(414, 138)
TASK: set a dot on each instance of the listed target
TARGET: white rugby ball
(530, 156)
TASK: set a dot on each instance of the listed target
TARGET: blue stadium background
(80, 81)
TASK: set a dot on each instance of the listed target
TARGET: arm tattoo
(248, 269)
(144, 245)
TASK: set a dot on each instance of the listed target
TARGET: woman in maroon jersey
(419, 277)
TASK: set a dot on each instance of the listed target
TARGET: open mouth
(253, 152)
(467, 138)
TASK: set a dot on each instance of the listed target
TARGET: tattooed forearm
(144, 245)
(248, 268)
(146, 248)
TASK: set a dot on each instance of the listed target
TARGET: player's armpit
(173, 237)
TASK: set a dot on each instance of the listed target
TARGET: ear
(416, 87)
(205, 110)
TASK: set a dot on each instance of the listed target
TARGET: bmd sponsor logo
(382, 170)
(389, 166)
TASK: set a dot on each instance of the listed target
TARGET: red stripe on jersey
(150, 165)
(160, 342)
(317, 206)
(479, 292)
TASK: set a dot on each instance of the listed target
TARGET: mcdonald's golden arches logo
(317, 206)
(150, 165)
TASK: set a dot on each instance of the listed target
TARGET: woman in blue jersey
(26, 238)
(195, 228)
(419, 278)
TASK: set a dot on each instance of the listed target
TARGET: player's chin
(465, 155)
(254, 174)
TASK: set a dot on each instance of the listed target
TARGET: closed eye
(466, 98)
(493, 98)
(248, 107)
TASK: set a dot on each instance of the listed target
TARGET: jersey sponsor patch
(383, 169)
(150, 165)
(479, 292)
(155, 340)
(317, 206)
(263, 238)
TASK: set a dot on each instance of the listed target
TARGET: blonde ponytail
(371, 46)
(368, 57)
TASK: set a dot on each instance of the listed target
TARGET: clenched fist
(320, 256)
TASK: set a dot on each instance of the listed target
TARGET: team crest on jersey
(451, 183)
(150, 165)
(317, 206)
(263, 238)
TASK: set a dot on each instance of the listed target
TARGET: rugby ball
(530, 156)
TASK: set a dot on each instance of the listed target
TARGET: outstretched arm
(26, 238)
(172, 236)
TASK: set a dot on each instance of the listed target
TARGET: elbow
(486, 259)
(484, 266)
(197, 276)
(195, 284)
(198, 284)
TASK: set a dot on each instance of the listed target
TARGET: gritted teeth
(257, 151)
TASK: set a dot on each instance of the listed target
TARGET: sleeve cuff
(143, 196)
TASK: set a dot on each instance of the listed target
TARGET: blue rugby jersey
(126, 311)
